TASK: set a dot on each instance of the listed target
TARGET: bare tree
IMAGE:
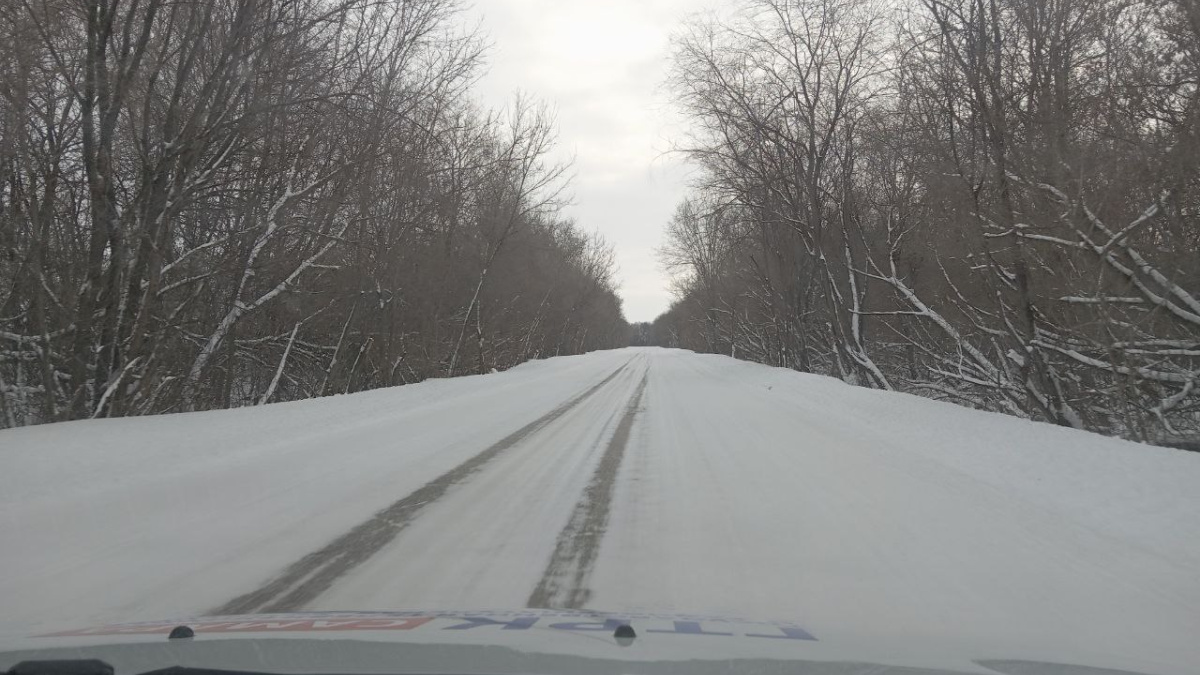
(209, 204)
(988, 201)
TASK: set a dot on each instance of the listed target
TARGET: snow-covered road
(639, 479)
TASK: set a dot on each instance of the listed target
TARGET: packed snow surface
(629, 480)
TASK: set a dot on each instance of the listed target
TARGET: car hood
(527, 641)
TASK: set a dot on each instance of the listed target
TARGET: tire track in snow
(564, 583)
(313, 574)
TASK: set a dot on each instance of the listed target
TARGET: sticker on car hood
(426, 622)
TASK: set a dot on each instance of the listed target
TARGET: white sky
(601, 65)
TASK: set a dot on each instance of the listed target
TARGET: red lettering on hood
(285, 626)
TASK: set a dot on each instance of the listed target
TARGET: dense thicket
(213, 203)
(989, 201)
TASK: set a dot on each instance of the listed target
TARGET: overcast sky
(600, 64)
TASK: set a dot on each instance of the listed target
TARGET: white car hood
(526, 641)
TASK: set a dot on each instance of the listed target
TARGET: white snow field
(630, 480)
